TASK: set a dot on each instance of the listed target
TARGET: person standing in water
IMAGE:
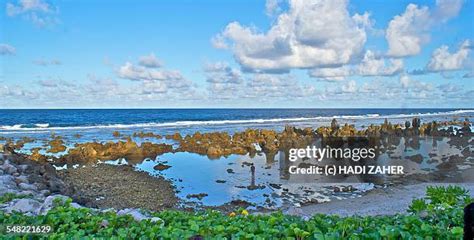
(252, 171)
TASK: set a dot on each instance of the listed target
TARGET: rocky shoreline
(103, 186)
(119, 187)
(219, 144)
(33, 189)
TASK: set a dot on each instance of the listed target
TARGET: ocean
(99, 124)
(80, 119)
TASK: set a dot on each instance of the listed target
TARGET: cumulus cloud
(6, 49)
(139, 73)
(224, 81)
(221, 72)
(149, 61)
(219, 42)
(331, 74)
(378, 92)
(372, 65)
(349, 87)
(449, 88)
(15, 92)
(228, 83)
(413, 85)
(405, 80)
(155, 82)
(264, 86)
(407, 32)
(272, 7)
(95, 91)
(369, 65)
(37, 11)
(443, 60)
(310, 34)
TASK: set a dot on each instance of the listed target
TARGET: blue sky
(274, 53)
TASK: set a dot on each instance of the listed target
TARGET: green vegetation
(7, 197)
(437, 216)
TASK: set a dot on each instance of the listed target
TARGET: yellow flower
(232, 214)
(245, 213)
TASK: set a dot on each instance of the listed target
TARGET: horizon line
(237, 108)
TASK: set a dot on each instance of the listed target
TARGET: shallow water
(230, 178)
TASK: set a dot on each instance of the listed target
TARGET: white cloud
(447, 9)
(449, 88)
(331, 74)
(413, 85)
(37, 11)
(6, 49)
(47, 83)
(310, 34)
(370, 65)
(221, 72)
(27, 6)
(262, 86)
(405, 80)
(226, 83)
(132, 72)
(272, 7)
(406, 33)
(153, 87)
(443, 60)
(373, 66)
(380, 92)
(15, 92)
(219, 42)
(149, 61)
(139, 73)
(349, 87)
(154, 82)
(96, 91)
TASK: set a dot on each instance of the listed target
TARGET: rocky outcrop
(142, 134)
(31, 185)
(56, 145)
(219, 144)
(91, 152)
(116, 134)
(26, 184)
(176, 136)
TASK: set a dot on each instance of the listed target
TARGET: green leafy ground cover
(439, 215)
(7, 197)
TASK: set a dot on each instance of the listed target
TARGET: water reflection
(265, 181)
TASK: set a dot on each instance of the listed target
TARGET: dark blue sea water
(99, 124)
(123, 118)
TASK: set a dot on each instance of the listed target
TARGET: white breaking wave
(45, 126)
(14, 127)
